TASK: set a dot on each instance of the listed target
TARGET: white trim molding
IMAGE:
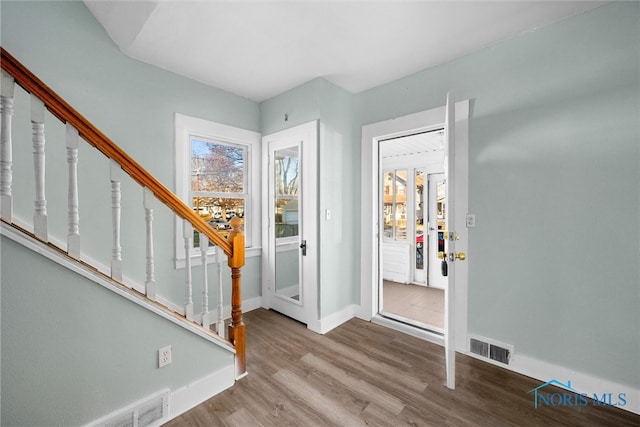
(405, 125)
(336, 319)
(100, 278)
(201, 390)
(185, 126)
(581, 382)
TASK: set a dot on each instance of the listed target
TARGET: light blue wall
(73, 352)
(554, 172)
(554, 168)
(43, 351)
(300, 105)
(339, 235)
(338, 283)
(133, 104)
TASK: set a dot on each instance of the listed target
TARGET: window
(217, 168)
(395, 204)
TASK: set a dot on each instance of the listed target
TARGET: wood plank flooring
(364, 374)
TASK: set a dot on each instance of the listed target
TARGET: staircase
(41, 236)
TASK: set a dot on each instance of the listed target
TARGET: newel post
(237, 328)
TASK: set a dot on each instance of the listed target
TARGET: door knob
(461, 256)
(303, 246)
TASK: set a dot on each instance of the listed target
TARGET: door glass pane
(401, 205)
(388, 204)
(420, 206)
(286, 211)
(440, 213)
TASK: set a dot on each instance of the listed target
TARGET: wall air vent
(499, 354)
(490, 349)
(478, 347)
(152, 411)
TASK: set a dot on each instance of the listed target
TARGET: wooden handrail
(67, 114)
(233, 246)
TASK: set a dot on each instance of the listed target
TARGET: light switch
(471, 220)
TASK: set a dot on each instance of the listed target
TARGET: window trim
(186, 126)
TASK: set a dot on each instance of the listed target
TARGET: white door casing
(371, 135)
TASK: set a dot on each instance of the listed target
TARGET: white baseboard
(192, 395)
(336, 319)
(250, 304)
(179, 401)
(581, 382)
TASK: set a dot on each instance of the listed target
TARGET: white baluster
(187, 231)
(150, 284)
(40, 212)
(7, 86)
(204, 247)
(73, 237)
(220, 329)
(116, 209)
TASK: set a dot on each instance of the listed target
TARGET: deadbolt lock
(461, 256)
(451, 235)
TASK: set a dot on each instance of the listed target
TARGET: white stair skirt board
(99, 266)
(247, 305)
(61, 259)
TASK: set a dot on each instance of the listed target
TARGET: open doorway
(412, 214)
(454, 118)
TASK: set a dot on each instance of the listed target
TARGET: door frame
(308, 134)
(370, 237)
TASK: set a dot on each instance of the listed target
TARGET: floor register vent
(491, 350)
(150, 412)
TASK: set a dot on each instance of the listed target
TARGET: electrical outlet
(164, 356)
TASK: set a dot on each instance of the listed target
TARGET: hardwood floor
(365, 374)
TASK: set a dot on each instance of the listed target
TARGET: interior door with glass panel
(291, 251)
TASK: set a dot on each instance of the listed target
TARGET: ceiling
(412, 145)
(259, 49)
